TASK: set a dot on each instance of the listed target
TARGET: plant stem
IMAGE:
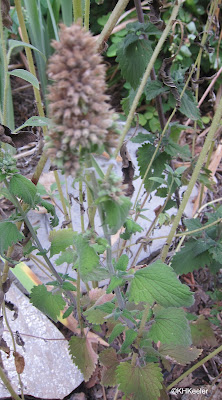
(77, 10)
(203, 361)
(13, 344)
(194, 177)
(87, 12)
(152, 226)
(5, 66)
(36, 239)
(144, 81)
(8, 385)
(61, 196)
(107, 30)
(146, 312)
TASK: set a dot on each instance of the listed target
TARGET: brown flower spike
(77, 100)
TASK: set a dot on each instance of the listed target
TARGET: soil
(24, 107)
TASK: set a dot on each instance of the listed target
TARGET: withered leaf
(12, 307)
(18, 339)
(6, 285)
(6, 19)
(128, 170)
(154, 14)
(164, 74)
(4, 347)
(19, 362)
(16, 139)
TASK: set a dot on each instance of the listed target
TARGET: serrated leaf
(95, 316)
(54, 221)
(130, 228)
(159, 283)
(35, 121)
(60, 240)
(87, 257)
(68, 256)
(23, 188)
(202, 333)
(122, 262)
(171, 326)
(189, 106)
(153, 89)
(117, 330)
(116, 213)
(114, 282)
(175, 150)
(83, 355)
(132, 48)
(143, 383)
(108, 359)
(185, 260)
(142, 137)
(50, 304)
(130, 336)
(144, 156)
(179, 354)
(9, 235)
(193, 224)
(26, 75)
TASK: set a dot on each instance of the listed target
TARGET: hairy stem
(194, 177)
(5, 64)
(107, 30)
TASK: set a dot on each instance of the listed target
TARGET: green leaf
(26, 75)
(60, 240)
(190, 257)
(159, 283)
(117, 330)
(122, 262)
(145, 154)
(202, 333)
(133, 48)
(87, 257)
(153, 89)
(130, 336)
(140, 383)
(35, 121)
(179, 354)
(68, 256)
(50, 304)
(9, 234)
(114, 282)
(83, 355)
(68, 312)
(189, 106)
(17, 43)
(68, 286)
(54, 221)
(130, 228)
(108, 358)
(175, 150)
(95, 316)
(171, 326)
(142, 137)
(116, 213)
(23, 188)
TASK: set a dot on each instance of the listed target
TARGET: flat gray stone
(49, 371)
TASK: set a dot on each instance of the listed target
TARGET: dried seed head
(6, 19)
(78, 104)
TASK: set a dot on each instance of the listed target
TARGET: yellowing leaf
(179, 354)
(60, 240)
(83, 355)
(141, 383)
(108, 359)
(202, 333)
